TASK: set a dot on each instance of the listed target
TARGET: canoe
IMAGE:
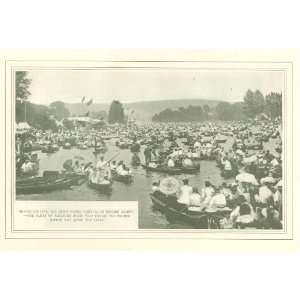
(103, 188)
(42, 186)
(195, 219)
(122, 178)
(173, 171)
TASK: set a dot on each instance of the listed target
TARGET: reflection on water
(137, 191)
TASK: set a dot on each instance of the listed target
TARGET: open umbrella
(268, 179)
(169, 185)
(247, 178)
(68, 164)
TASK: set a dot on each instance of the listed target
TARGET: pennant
(83, 99)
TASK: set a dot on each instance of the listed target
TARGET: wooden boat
(42, 185)
(221, 139)
(255, 145)
(173, 171)
(163, 204)
(103, 188)
(197, 219)
(49, 149)
(82, 146)
(122, 178)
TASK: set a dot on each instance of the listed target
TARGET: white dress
(185, 193)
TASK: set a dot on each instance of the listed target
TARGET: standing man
(147, 154)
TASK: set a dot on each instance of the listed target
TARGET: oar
(112, 158)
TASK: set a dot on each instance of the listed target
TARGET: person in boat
(197, 144)
(195, 198)
(147, 154)
(77, 167)
(171, 162)
(207, 192)
(101, 164)
(264, 194)
(27, 166)
(243, 215)
(122, 169)
(278, 200)
(113, 166)
(227, 165)
(152, 164)
(217, 201)
(102, 169)
(155, 187)
(187, 162)
(185, 193)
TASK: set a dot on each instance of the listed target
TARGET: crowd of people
(244, 204)
(236, 147)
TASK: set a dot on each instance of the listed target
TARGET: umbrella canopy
(247, 178)
(268, 179)
(68, 164)
(169, 185)
(250, 159)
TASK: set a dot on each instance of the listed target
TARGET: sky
(148, 85)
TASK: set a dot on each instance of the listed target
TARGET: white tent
(22, 127)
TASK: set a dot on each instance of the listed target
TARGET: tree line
(255, 104)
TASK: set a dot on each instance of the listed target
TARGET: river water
(138, 191)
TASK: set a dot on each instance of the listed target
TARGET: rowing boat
(203, 219)
(105, 188)
(167, 205)
(41, 185)
(128, 178)
(173, 171)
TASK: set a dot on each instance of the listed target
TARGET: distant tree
(68, 124)
(273, 105)
(206, 108)
(58, 110)
(224, 111)
(259, 101)
(254, 103)
(116, 113)
(22, 86)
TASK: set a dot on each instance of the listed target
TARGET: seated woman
(122, 169)
(195, 198)
(152, 164)
(187, 162)
(185, 193)
(217, 201)
(195, 203)
(171, 163)
(243, 215)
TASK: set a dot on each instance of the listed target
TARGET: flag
(87, 114)
(89, 102)
(83, 99)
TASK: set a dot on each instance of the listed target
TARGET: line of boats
(54, 180)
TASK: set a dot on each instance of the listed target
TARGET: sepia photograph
(195, 148)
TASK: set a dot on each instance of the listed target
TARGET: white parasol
(169, 185)
(247, 178)
(267, 179)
